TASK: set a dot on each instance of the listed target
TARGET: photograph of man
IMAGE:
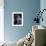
(17, 19)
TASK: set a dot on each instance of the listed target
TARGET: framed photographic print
(17, 18)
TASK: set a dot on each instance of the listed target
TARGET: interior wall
(29, 9)
(43, 6)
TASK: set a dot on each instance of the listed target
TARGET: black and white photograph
(17, 18)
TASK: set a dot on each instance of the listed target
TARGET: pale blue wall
(43, 6)
(28, 7)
